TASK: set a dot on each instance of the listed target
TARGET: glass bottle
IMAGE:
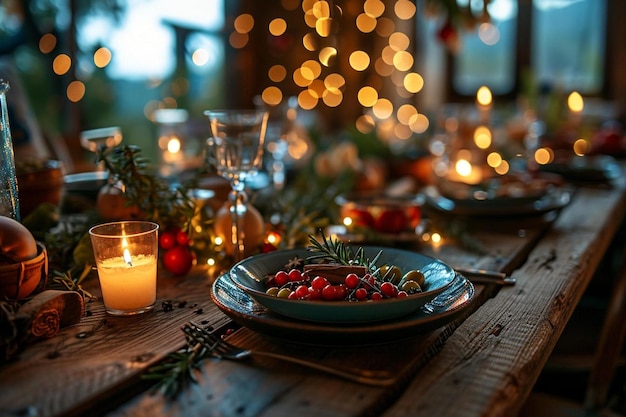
(9, 200)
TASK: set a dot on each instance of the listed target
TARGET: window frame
(523, 54)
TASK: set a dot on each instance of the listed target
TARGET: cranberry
(281, 278)
(314, 294)
(352, 280)
(329, 292)
(360, 294)
(319, 283)
(341, 292)
(302, 291)
(376, 296)
(388, 289)
(295, 275)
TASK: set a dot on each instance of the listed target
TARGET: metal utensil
(483, 276)
(222, 349)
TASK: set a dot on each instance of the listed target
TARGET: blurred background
(381, 69)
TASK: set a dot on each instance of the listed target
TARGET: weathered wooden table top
(483, 363)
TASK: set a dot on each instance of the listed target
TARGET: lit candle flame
(126, 255)
(173, 145)
(483, 96)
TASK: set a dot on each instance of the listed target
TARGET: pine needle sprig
(337, 251)
(179, 368)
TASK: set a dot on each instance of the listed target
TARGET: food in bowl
(381, 213)
(341, 304)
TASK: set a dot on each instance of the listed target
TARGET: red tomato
(178, 260)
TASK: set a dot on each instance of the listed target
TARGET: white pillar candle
(128, 286)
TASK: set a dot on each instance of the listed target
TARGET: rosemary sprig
(154, 196)
(179, 368)
(65, 281)
(335, 250)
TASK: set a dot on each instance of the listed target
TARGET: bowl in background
(21, 279)
(381, 213)
(39, 182)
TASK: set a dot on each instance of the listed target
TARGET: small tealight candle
(126, 256)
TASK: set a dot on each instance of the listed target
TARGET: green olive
(414, 275)
(391, 273)
(411, 287)
(272, 291)
(283, 293)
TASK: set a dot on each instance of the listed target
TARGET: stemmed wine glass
(237, 153)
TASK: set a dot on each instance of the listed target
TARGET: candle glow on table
(128, 283)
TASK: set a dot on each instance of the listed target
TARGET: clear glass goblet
(237, 153)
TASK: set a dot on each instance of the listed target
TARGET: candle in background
(575, 104)
(126, 256)
(484, 101)
(172, 132)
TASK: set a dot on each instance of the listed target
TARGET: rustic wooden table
(485, 362)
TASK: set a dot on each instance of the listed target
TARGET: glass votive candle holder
(126, 255)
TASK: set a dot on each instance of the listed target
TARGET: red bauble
(178, 260)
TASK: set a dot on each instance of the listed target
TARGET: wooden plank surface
(87, 363)
(490, 364)
(259, 388)
(94, 367)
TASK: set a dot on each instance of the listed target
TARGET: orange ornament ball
(113, 205)
(254, 228)
(22, 266)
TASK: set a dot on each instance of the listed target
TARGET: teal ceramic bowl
(249, 276)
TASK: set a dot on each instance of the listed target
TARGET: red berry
(302, 291)
(292, 295)
(281, 278)
(295, 275)
(388, 289)
(314, 294)
(178, 260)
(360, 294)
(376, 296)
(402, 294)
(319, 283)
(329, 292)
(341, 292)
(352, 280)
